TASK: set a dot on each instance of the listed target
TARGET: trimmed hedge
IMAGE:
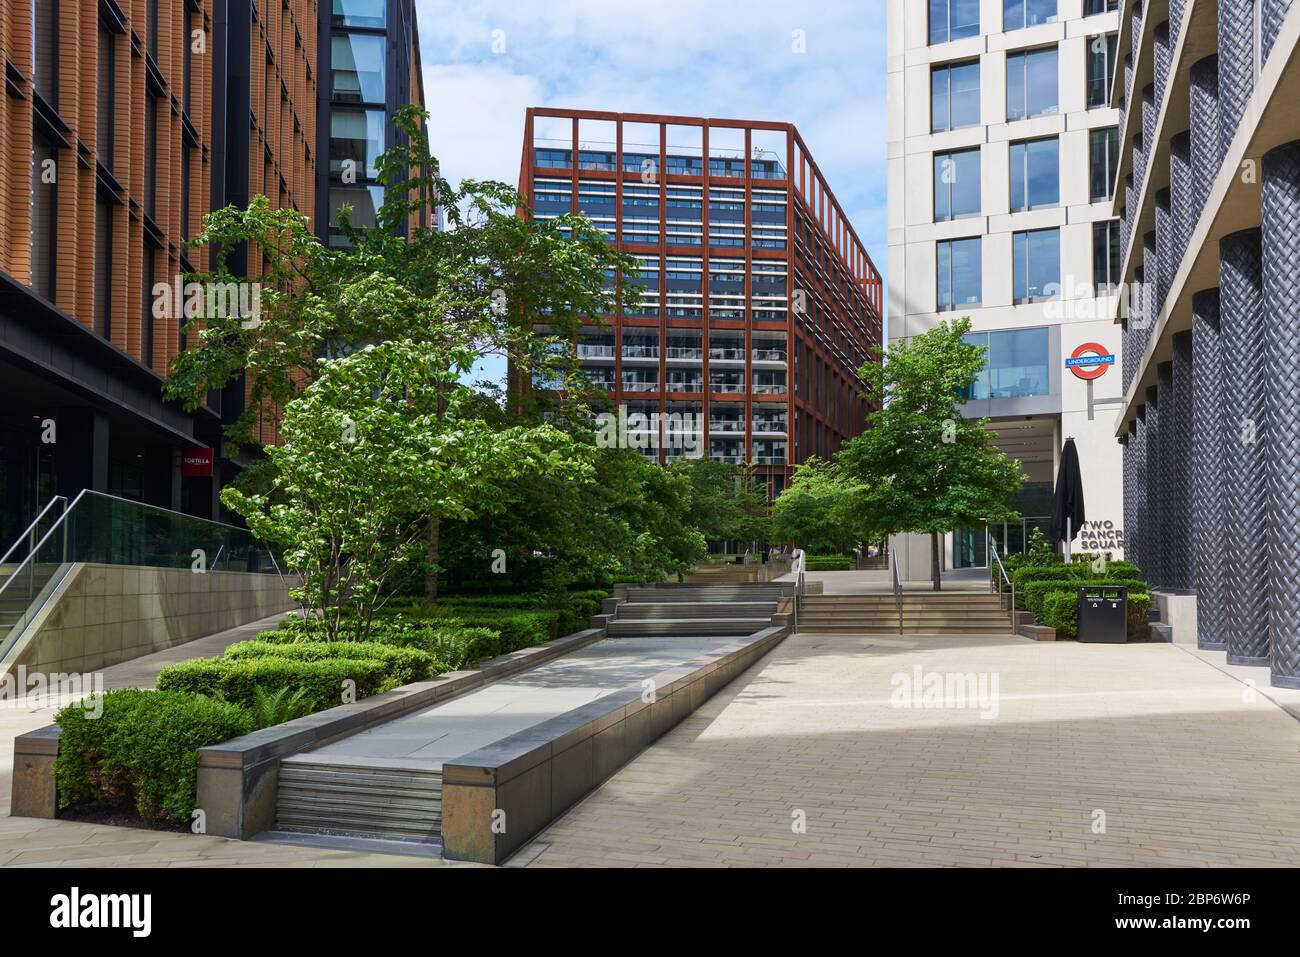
(1078, 571)
(142, 751)
(234, 679)
(404, 664)
(1029, 597)
(1061, 611)
(828, 563)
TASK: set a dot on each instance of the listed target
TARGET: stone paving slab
(1186, 767)
(479, 718)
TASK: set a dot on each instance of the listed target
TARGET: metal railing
(998, 579)
(104, 529)
(798, 570)
(29, 533)
(898, 586)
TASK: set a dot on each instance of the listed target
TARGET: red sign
(1090, 360)
(196, 462)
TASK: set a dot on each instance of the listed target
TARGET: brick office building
(122, 123)
(761, 303)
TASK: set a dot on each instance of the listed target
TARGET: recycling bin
(1103, 614)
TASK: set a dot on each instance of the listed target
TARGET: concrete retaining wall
(496, 799)
(101, 615)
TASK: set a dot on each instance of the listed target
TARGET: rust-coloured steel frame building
(122, 123)
(775, 382)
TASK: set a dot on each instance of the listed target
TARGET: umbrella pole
(1068, 537)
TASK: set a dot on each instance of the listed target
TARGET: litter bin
(1103, 614)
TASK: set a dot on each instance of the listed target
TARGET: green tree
(725, 501)
(819, 510)
(373, 449)
(487, 279)
(923, 467)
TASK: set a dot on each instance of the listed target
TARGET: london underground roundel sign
(1090, 361)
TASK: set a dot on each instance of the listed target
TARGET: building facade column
(1236, 65)
(1153, 533)
(1179, 438)
(1203, 102)
(1209, 485)
(1241, 300)
(1280, 437)
(1137, 448)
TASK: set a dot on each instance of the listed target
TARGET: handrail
(1003, 576)
(798, 568)
(30, 529)
(898, 586)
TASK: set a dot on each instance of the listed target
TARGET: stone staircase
(697, 610)
(319, 797)
(941, 613)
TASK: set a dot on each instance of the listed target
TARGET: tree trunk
(431, 556)
(934, 559)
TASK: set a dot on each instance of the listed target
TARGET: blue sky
(486, 62)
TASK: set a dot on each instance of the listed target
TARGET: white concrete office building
(1003, 149)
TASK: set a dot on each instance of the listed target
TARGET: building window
(356, 142)
(1035, 174)
(954, 96)
(360, 13)
(150, 155)
(953, 19)
(957, 264)
(185, 191)
(153, 28)
(956, 184)
(45, 50)
(1036, 265)
(1017, 364)
(1103, 161)
(104, 97)
(1031, 84)
(187, 63)
(1092, 8)
(44, 218)
(357, 68)
(146, 317)
(365, 202)
(1101, 68)
(103, 268)
(1018, 14)
(1105, 256)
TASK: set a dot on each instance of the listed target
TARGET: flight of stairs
(941, 613)
(697, 610)
(329, 798)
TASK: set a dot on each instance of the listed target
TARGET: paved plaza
(1188, 765)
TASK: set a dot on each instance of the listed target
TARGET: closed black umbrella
(1067, 501)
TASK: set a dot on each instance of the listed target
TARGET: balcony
(769, 388)
(769, 460)
(719, 385)
(726, 425)
(768, 355)
(727, 353)
(689, 385)
(769, 426)
(640, 352)
(587, 351)
(640, 385)
(729, 458)
(684, 352)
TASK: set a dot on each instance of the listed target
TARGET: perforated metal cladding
(1236, 66)
(1163, 56)
(1241, 301)
(1164, 251)
(1204, 105)
(1272, 13)
(1135, 538)
(1280, 439)
(1182, 191)
(1153, 529)
(1178, 559)
(1149, 116)
(1176, 10)
(1209, 480)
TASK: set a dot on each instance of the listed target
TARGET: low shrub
(518, 629)
(1139, 607)
(403, 663)
(828, 563)
(1061, 611)
(1030, 596)
(452, 644)
(234, 679)
(142, 751)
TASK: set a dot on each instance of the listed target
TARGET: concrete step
(890, 614)
(693, 627)
(706, 593)
(882, 628)
(396, 803)
(677, 609)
